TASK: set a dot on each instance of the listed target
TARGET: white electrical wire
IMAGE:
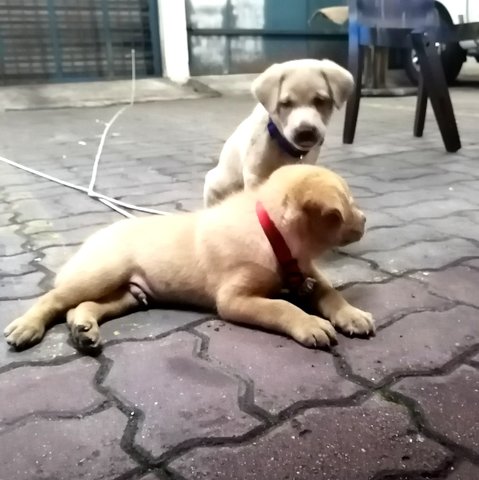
(113, 203)
(100, 148)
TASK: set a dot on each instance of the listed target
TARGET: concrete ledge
(239, 84)
(97, 94)
(115, 92)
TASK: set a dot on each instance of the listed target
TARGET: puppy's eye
(318, 101)
(286, 103)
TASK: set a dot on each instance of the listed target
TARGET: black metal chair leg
(421, 106)
(438, 92)
(356, 63)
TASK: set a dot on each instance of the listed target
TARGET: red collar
(292, 275)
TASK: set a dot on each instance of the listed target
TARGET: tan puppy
(218, 257)
(296, 101)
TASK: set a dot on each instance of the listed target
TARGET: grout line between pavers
(9, 426)
(246, 397)
(439, 473)
(419, 419)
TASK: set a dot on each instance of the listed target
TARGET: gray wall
(277, 30)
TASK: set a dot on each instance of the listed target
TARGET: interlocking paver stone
(474, 263)
(432, 209)
(18, 264)
(466, 192)
(422, 255)
(460, 225)
(432, 179)
(419, 341)
(465, 471)
(67, 449)
(391, 239)
(387, 301)
(400, 199)
(12, 288)
(147, 324)
(340, 269)
(50, 207)
(73, 236)
(55, 256)
(182, 396)
(421, 207)
(35, 389)
(60, 224)
(457, 283)
(6, 220)
(379, 436)
(377, 218)
(450, 403)
(5, 209)
(163, 198)
(373, 185)
(151, 476)
(11, 240)
(282, 371)
(49, 190)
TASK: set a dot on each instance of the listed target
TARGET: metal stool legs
(356, 65)
(433, 85)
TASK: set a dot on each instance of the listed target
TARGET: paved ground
(182, 395)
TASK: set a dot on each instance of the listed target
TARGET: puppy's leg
(341, 314)
(84, 320)
(91, 283)
(207, 189)
(277, 315)
(213, 191)
(251, 179)
(218, 185)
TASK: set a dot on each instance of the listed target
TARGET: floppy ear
(326, 208)
(266, 87)
(339, 80)
(333, 217)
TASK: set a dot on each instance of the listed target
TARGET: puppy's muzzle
(306, 136)
(356, 232)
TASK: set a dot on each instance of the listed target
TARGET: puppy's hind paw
(86, 334)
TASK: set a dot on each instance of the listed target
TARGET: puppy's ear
(266, 87)
(339, 80)
(333, 217)
(326, 208)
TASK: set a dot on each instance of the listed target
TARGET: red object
(292, 275)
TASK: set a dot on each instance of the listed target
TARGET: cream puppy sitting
(296, 101)
(235, 258)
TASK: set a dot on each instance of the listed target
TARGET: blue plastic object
(388, 23)
(403, 14)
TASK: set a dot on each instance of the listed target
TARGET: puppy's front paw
(314, 332)
(22, 333)
(353, 321)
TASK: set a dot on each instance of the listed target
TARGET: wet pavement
(183, 395)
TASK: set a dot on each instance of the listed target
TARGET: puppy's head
(317, 206)
(300, 95)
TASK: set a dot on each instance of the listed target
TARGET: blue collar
(284, 144)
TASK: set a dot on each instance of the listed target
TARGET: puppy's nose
(306, 134)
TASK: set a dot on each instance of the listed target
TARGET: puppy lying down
(235, 257)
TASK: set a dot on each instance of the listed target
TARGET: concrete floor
(183, 395)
